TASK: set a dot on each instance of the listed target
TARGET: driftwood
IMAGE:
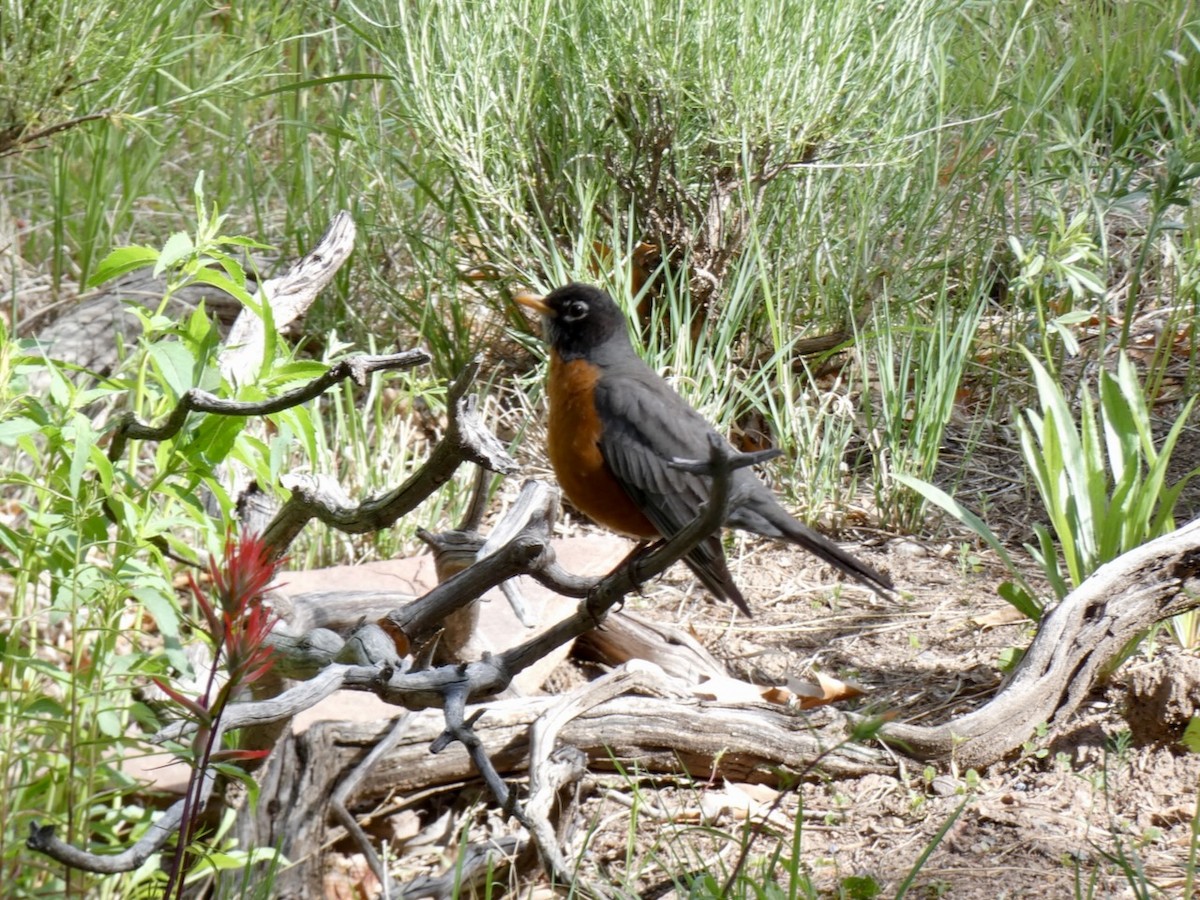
(669, 730)
(403, 680)
(659, 729)
(289, 296)
(1074, 646)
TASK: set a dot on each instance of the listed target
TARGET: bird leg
(634, 561)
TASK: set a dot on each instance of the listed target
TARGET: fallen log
(1075, 646)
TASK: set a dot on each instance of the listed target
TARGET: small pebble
(946, 785)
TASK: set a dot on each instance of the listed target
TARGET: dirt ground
(1055, 821)
(1070, 815)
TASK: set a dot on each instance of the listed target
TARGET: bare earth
(1051, 822)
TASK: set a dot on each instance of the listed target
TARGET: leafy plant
(237, 622)
(1056, 273)
(78, 583)
(918, 368)
(1101, 479)
(92, 550)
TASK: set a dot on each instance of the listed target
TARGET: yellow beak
(533, 301)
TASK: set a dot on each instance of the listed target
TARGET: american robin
(614, 427)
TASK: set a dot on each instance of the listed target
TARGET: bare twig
(17, 139)
(466, 440)
(304, 695)
(356, 368)
(42, 839)
(342, 793)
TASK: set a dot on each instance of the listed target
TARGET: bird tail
(708, 564)
(821, 546)
(771, 520)
(721, 588)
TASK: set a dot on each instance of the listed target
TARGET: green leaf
(110, 724)
(45, 707)
(103, 468)
(1009, 657)
(216, 435)
(198, 199)
(240, 241)
(1191, 735)
(294, 370)
(860, 887)
(12, 429)
(939, 497)
(199, 325)
(81, 453)
(121, 261)
(1156, 479)
(217, 862)
(223, 282)
(270, 337)
(1047, 555)
(1020, 600)
(174, 364)
(232, 268)
(305, 84)
(1070, 342)
(178, 247)
(160, 606)
(1120, 427)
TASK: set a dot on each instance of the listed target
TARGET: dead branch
(356, 368)
(1072, 650)
(289, 296)
(457, 684)
(663, 728)
(448, 687)
(466, 440)
(17, 139)
(347, 787)
(660, 728)
(42, 838)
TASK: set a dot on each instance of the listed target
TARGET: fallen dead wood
(672, 731)
(654, 734)
(669, 733)
(625, 635)
(641, 718)
(290, 295)
(1074, 646)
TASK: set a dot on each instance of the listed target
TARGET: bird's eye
(575, 311)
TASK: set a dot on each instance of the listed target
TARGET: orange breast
(574, 450)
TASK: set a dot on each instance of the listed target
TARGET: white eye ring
(575, 311)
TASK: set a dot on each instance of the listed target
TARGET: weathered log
(665, 734)
(1075, 644)
(290, 295)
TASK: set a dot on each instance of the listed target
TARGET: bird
(616, 427)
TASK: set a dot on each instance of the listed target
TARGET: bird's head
(577, 319)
